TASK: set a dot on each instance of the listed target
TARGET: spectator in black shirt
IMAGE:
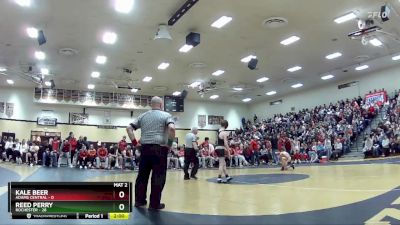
(86, 143)
(44, 153)
(2, 147)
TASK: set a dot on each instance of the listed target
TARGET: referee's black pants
(190, 157)
(153, 158)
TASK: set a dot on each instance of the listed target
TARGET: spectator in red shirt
(102, 156)
(74, 143)
(281, 143)
(65, 151)
(83, 157)
(122, 144)
(91, 156)
(371, 111)
(288, 145)
(255, 152)
(205, 158)
(55, 144)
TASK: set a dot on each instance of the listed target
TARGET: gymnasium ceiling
(79, 25)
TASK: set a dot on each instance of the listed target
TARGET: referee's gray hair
(156, 100)
(194, 129)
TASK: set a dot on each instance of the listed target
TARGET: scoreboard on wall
(69, 200)
(173, 104)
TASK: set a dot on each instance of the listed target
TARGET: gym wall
(22, 130)
(26, 109)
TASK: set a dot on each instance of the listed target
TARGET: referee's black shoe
(161, 206)
(186, 178)
(194, 177)
(140, 204)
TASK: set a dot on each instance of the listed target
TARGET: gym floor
(358, 192)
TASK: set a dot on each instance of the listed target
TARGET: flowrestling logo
(378, 15)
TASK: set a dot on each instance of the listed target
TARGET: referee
(190, 154)
(157, 134)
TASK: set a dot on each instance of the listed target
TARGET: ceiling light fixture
(294, 69)
(101, 59)
(163, 33)
(134, 90)
(346, 17)
(334, 55)
(271, 93)
(185, 48)
(290, 40)
(262, 79)
(176, 93)
(376, 42)
(32, 32)
(147, 79)
(395, 58)
(47, 83)
(297, 85)
(123, 6)
(40, 55)
(110, 38)
(3, 69)
(247, 100)
(327, 77)
(238, 89)
(163, 66)
(222, 21)
(363, 67)
(214, 96)
(195, 84)
(95, 74)
(23, 3)
(218, 73)
(91, 86)
(248, 58)
(10, 82)
(44, 71)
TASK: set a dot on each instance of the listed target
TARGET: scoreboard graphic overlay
(70, 200)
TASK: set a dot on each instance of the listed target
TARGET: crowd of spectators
(71, 152)
(384, 140)
(322, 133)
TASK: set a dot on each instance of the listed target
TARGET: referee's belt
(189, 149)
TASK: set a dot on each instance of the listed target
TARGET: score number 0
(121, 194)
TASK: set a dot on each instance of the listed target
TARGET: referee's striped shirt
(153, 125)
